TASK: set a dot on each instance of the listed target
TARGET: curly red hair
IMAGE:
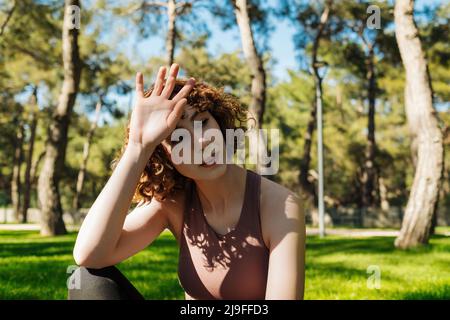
(160, 178)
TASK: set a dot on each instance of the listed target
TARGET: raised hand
(155, 117)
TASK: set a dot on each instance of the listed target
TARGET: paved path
(17, 227)
(363, 232)
(26, 227)
(309, 231)
(355, 232)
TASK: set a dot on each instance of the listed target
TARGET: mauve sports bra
(230, 266)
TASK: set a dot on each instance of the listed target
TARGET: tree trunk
(15, 179)
(171, 31)
(257, 104)
(340, 105)
(86, 148)
(258, 74)
(28, 182)
(34, 168)
(51, 212)
(306, 185)
(422, 119)
(8, 17)
(305, 161)
(441, 194)
(369, 175)
(384, 202)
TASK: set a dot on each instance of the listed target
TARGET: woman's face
(190, 169)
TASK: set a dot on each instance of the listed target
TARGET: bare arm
(286, 276)
(108, 235)
(102, 227)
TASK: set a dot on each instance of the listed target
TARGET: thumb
(176, 113)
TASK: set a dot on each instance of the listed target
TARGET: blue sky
(125, 39)
(280, 41)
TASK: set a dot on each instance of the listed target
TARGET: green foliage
(437, 49)
(288, 109)
(227, 70)
(33, 59)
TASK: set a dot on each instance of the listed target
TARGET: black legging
(101, 284)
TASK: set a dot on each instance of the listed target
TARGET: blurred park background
(377, 72)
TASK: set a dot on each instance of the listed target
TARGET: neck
(216, 194)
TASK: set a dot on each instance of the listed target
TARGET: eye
(205, 121)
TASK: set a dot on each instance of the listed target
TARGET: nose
(204, 142)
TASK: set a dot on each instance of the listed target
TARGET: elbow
(83, 261)
(80, 254)
(81, 258)
(87, 260)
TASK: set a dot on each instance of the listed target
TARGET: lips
(207, 165)
(209, 161)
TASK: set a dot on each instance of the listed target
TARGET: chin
(198, 172)
(213, 172)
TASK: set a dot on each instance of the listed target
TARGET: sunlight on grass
(337, 269)
(34, 267)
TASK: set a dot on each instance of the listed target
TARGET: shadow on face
(207, 146)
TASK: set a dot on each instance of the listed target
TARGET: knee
(92, 284)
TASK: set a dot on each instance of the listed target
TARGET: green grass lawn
(32, 267)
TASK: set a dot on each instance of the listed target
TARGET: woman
(241, 236)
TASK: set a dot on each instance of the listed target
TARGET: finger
(159, 81)
(170, 83)
(185, 90)
(176, 113)
(140, 84)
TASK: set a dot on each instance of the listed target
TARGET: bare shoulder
(281, 210)
(276, 196)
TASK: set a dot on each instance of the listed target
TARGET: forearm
(102, 227)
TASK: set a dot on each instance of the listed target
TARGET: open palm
(155, 117)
